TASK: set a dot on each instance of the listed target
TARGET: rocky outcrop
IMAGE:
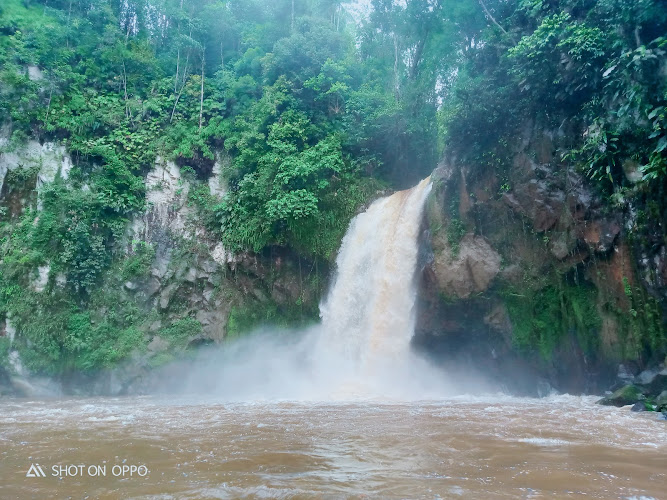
(33, 165)
(507, 242)
(646, 391)
(190, 281)
(470, 271)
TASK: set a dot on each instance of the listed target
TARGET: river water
(464, 447)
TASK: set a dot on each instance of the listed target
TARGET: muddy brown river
(467, 447)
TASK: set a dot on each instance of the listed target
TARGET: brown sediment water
(465, 447)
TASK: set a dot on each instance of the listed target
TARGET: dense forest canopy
(309, 111)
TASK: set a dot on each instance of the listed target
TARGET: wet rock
(208, 294)
(151, 287)
(472, 271)
(661, 401)
(191, 275)
(213, 323)
(498, 319)
(658, 384)
(208, 267)
(539, 202)
(160, 266)
(647, 376)
(512, 274)
(562, 245)
(625, 373)
(600, 235)
(638, 406)
(158, 344)
(626, 395)
(165, 296)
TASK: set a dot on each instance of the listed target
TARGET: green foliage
(456, 229)
(139, 262)
(593, 65)
(57, 335)
(560, 61)
(642, 327)
(542, 318)
(314, 116)
(181, 331)
(4, 352)
(245, 317)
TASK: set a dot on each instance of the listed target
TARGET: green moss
(180, 332)
(247, 317)
(626, 395)
(455, 232)
(22, 177)
(139, 262)
(641, 327)
(541, 319)
(161, 359)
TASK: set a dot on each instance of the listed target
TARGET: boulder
(661, 401)
(165, 296)
(625, 373)
(658, 384)
(647, 376)
(472, 271)
(151, 286)
(627, 395)
(562, 245)
(638, 406)
(499, 320)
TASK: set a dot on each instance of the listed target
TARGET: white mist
(361, 349)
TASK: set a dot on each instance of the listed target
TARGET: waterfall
(361, 348)
(368, 315)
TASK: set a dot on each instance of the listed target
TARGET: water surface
(484, 447)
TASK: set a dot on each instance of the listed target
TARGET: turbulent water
(469, 447)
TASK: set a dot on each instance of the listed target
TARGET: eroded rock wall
(534, 275)
(190, 280)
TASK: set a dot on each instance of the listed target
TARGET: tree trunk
(396, 79)
(201, 94)
(493, 20)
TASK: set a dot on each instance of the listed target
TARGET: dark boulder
(627, 395)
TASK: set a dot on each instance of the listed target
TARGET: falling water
(368, 316)
(361, 348)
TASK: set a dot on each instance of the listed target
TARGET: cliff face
(170, 276)
(527, 274)
(535, 276)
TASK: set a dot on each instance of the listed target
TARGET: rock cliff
(169, 271)
(536, 276)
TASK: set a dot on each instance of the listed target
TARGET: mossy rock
(661, 402)
(626, 395)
